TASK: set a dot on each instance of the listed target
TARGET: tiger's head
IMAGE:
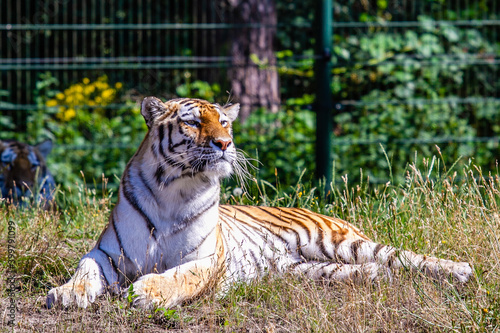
(192, 135)
(23, 170)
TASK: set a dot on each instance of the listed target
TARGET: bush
(94, 135)
(283, 142)
(413, 89)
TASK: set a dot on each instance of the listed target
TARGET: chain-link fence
(407, 75)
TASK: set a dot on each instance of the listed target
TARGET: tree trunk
(253, 85)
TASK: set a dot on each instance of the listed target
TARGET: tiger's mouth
(220, 161)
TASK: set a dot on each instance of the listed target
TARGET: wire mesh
(153, 47)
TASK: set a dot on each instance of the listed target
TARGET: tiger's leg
(363, 251)
(175, 285)
(93, 276)
(341, 272)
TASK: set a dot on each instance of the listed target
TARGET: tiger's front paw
(79, 293)
(152, 290)
(461, 271)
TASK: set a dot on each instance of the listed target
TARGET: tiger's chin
(220, 168)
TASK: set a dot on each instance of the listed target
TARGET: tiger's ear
(44, 148)
(231, 111)
(151, 108)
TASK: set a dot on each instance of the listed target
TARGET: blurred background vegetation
(408, 77)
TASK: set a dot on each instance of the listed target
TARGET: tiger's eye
(223, 123)
(192, 123)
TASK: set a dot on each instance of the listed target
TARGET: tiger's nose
(222, 144)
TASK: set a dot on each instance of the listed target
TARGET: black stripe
(199, 244)
(184, 141)
(355, 248)
(378, 248)
(390, 260)
(169, 160)
(239, 227)
(112, 262)
(255, 260)
(187, 221)
(129, 195)
(298, 263)
(161, 133)
(294, 220)
(253, 228)
(312, 265)
(339, 266)
(170, 144)
(146, 184)
(113, 224)
(173, 163)
(187, 103)
(129, 269)
(320, 241)
(181, 130)
(159, 174)
(242, 210)
(153, 150)
(100, 268)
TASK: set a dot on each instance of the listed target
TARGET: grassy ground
(454, 216)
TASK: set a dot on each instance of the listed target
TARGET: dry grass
(455, 217)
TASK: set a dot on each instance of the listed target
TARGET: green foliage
(198, 89)
(281, 141)
(131, 294)
(86, 125)
(410, 85)
(404, 88)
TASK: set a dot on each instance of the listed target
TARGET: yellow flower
(69, 114)
(60, 96)
(101, 85)
(89, 89)
(51, 102)
(79, 97)
(86, 81)
(118, 85)
(108, 93)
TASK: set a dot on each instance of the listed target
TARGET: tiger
(169, 240)
(23, 170)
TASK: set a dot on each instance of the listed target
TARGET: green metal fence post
(323, 103)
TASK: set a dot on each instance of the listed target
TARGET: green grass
(450, 214)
